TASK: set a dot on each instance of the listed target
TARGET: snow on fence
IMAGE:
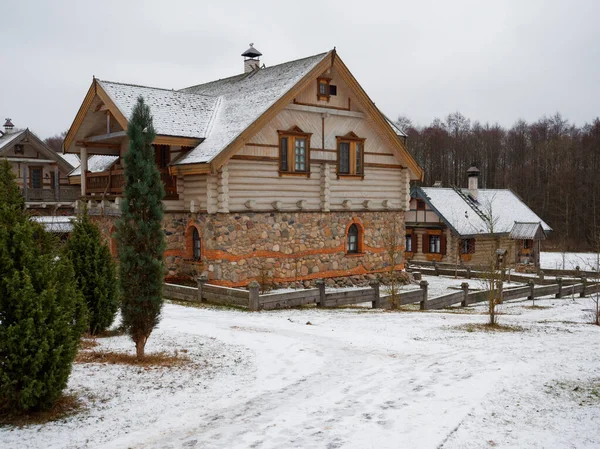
(252, 300)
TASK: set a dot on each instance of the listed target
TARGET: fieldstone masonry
(280, 246)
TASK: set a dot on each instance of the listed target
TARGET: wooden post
(321, 286)
(541, 275)
(531, 290)
(83, 156)
(374, 284)
(584, 282)
(435, 267)
(254, 293)
(417, 275)
(25, 181)
(423, 303)
(56, 184)
(201, 280)
(559, 281)
(500, 291)
(465, 289)
(468, 272)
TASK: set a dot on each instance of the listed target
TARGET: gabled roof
(10, 139)
(218, 117)
(527, 231)
(466, 217)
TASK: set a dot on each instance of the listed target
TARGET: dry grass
(536, 307)
(66, 405)
(87, 343)
(489, 328)
(157, 359)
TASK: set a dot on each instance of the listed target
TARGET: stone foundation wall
(277, 247)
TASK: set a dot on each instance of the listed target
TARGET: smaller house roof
(56, 224)
(527, 231)
(467, 216)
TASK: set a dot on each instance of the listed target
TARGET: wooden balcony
(111, 183)
(63, 194)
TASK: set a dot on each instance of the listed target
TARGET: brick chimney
(8, 126)
(251, 59)
(473, 175)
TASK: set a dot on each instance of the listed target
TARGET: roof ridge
(154, 88)
(242, 75)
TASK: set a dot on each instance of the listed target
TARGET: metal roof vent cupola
(473, 175)
(251, 59)
(8, 126)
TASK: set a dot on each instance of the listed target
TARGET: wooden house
(472, 226)
(288, 172)
(41, 172)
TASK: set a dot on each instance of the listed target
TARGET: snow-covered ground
(352, 379)
(568, 261)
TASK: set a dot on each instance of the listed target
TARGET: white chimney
(251, 59)
(473, 175)
(8, 126)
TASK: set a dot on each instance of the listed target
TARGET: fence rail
(252, 300)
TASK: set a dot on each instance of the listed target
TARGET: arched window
(353, 238)
(196, 244)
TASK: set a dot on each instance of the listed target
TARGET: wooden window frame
(189, 243)
(351, 139)
(291, 135)
(359, 238)
(526, 244)
(323, 80)
(421, 205)
(197, 247)
(470, 246)
(19, 148)
(408, 238)
(41, 169)
(158, 157)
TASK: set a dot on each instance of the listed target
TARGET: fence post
(374, 284)
(500, 290)
(321, 286)
(201, 280)
(435, 267)
(531, 290)
(254, 292)
(417, 275)
(559, 281)
(468, 272)
(423, 303)
(584, 282)
(465, 289)
(541, 275)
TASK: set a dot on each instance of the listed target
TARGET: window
(351, 155)
(467, 246)
(294, 152)
(435, 244)
(526, 244)
(162, 155)
(196, 246)
(35, 177)
(353, 238)
(324, 89)
(19, 149)
(420, 205)
(409, 243)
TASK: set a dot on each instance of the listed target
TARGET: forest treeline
(553, 165)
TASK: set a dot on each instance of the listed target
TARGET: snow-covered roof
(6, 139)
(527, 231)
(58, 224)
(242, 100)
(96, 163)
(175, 113)
(468, 217)
(72, 159)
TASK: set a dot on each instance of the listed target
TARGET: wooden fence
(252, 300)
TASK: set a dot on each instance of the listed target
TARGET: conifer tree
(95, 273)
(42, 314)
(139, 232)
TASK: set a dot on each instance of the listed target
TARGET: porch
(45, 195)
(112, 182)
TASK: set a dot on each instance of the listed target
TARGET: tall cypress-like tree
(42, 314)
(139, 232)
(95, 273)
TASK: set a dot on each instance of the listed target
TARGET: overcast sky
(494, 61)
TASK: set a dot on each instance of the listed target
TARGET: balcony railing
(112, 183)
(65, 194)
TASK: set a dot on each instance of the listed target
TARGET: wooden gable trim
(190, 169)
(377, 116)
(269, 114)
(176, 141)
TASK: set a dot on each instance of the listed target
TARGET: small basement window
(409, 243)
(353, 239)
